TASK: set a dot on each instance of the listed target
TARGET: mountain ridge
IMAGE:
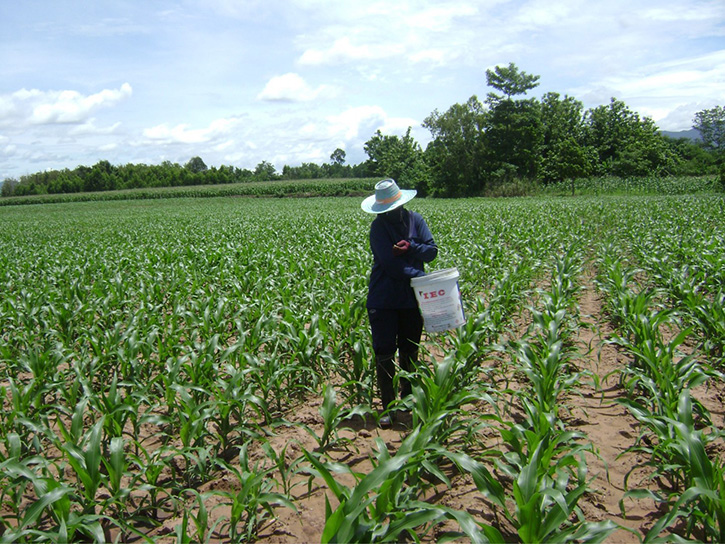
(691, 134)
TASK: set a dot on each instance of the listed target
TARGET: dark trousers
(394, 330)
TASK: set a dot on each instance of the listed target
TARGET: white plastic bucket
(439, 300)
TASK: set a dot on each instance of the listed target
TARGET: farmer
(401, 242)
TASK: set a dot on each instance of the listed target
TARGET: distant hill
(692, 134)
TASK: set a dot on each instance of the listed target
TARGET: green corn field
(200, 370)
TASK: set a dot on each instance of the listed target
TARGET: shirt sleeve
(382, 248)
(423, 246)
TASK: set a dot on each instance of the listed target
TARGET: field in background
(594, 186)
(187, 369)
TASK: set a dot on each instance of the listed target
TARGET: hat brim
(370, 206)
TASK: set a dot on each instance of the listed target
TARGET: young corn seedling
(545, 502)
(150, 467)
(697, 486)
(60, 522)
(305, 347)
(354, 369)
(437, 397)
(549, 474)
(543, 364)
(116, 409)
(193, 416)
(708, 317)
(254, 502)
(285, 470)
(659, 372)
(199, 516)
(234, 405)
(17, 476)
(334, 416)
(116, 466)
(384, 505)
(269, 374)
(85, 460)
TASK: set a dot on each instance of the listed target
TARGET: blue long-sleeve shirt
(390, 277)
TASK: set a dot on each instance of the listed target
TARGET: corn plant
(149, 476)
(253, 503)
(355, 370)
(116, 409)
(304, 343)
(615, 281)
(234, 408)
(659, 373)
(285, 470)
(708, 318)
(17, 476)
(676, 450)
(53, 507)
(544, 366)
(438, 398)
(334, 415)
(548, 469)
(68, 526)
(385, 504)
(203, 530)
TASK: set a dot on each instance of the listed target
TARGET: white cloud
(344, 50)
(163, 134)
(440, 18)
(356, 122)
(691, 76)
(8, 151)
(223, 146)
(435, 56)
(669, 92)
(356, 125)
(36, 107)
(90, 128)
(291, 87)
(73, 107)
(543, 13)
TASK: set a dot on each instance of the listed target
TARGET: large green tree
(710, 124)
(512, 131)
(563, 152)
(625, 143)
(510, 81)
(399, 158)
(196, 165)
(455, 154)
(8, 186)
(265, 171)
(338, 157)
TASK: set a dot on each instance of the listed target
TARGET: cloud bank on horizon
(238, 82)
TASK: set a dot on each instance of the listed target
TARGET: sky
(238, 82)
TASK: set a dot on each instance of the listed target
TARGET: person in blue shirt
(401, 243)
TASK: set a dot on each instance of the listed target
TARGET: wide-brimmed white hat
(387, 197)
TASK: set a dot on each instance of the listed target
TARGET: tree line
(475, 146)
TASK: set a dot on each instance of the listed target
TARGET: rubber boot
(407, 364)
(385, 367)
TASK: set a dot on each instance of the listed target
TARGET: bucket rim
(446, 274)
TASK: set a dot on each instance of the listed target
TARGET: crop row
(663, 321)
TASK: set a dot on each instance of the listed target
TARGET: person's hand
(401, 247)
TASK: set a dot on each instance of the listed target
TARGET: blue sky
(238, 82)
